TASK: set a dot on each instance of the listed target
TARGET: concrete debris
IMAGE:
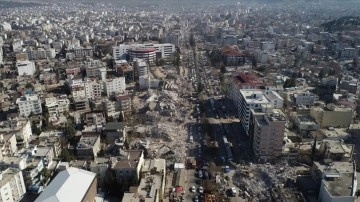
(162, 117)
(257, 179)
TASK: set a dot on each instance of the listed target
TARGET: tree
(29, 86)
(66, 156)
(313, 150)
(290, 83)
(223, 69)
(322, 73)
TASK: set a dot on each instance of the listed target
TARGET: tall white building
(141, 67)
(165, 50)
(93, 89)
(250, 99)
(25, 68)
(12, 185)
(28, 104)
(114, 85)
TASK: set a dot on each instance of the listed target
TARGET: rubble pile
(258, 179)
(164, 114)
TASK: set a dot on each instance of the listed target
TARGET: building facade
(29, 104)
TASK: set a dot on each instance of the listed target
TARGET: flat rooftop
(254, 96)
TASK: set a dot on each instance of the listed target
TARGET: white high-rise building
(28, 104)
(115, 85)
(93, 89)
(12, 185)
(141, 67)
(25, 68)
(250, 99)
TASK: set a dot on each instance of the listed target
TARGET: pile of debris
(257, 179)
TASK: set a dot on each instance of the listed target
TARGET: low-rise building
(82, 185)
(305, 124)
(25, 68)
(332, 116)
(94, 119)
(305, 98)
(29, 104)
(57, 106)
(115, 133)
(128, 164)
(88, 146)
(152, 183)
(337, 180)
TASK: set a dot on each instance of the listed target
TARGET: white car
(193, 189)
(201, 190)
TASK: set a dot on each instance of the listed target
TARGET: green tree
(29, 86)
(66, 156)
(323, 72)
(290, 83)
(223, 69)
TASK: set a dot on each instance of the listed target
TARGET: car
(196, 199)
(233, 191)
(226, 169)
(192, 189)
(201, 190)
(200, 174)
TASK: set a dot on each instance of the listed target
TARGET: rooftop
(114, 126)
(7, 175)
(67, 182)
(254, 96)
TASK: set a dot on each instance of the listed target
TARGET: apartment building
(152, 183)
(305, 98)
(141, 67)
(8, 144)
(114, 85)
(29, 104)
(40, 53)
(268, 135)
(249, 99)
(123, 102)
(32, 173)
(87, 147)
(261, 57)
(20, 127)
(123, 69)
(56, 106)
(332, 116)
(78, 91)
(25, 68)
(110, 109)
(128, 164)
(95, 119)
(337, 180)
(93, 89)
(12, 186)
